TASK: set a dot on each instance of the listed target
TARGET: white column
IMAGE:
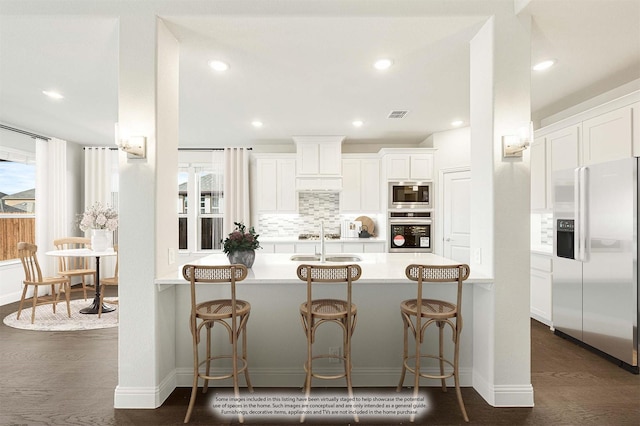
(148, 106)
(500, 102)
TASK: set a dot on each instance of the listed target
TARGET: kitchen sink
(328, 258)
(343, 258)
(305, 258)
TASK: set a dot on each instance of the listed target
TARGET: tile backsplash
(542, 229)
(313, 208)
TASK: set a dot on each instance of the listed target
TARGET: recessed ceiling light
(52, 94)
(544, 65)
(218, 65)
(256, 123)
(457, 123)
(382, 64)
(357, 123)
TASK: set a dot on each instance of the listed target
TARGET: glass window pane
(182, 233)
(17, 206)
(183, 180)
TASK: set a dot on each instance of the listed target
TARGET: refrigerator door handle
(576, 212)
(583, 214)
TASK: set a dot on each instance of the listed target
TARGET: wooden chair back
(29, 258)
(72, 263)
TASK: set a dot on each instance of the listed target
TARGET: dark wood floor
(68, 378)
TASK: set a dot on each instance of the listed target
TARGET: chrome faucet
(322, 253)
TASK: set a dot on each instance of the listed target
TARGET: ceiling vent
(397, 114)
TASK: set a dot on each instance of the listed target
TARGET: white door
(456, 215)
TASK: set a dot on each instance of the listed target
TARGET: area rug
(46, 320)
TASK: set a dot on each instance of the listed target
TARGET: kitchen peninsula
(276, 342)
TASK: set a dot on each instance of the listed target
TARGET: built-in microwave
(410, 195)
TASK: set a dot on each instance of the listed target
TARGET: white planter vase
(100, 239)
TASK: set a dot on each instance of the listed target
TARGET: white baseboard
(292, 378)
(153, 397)
(144, 397)
(504, 395)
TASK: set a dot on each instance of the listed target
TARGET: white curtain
(52, 207)
(97, 176)
(236, 188)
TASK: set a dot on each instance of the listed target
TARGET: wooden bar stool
(231, 313)
(437, 312)
(315, 312)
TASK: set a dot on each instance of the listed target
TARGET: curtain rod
(103, 147)
(24, 132)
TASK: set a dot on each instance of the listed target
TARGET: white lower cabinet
(330, 247)
(541, 288)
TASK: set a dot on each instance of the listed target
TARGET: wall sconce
(134, 146)
(514, 145)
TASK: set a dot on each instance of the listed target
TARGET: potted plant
(241, 244)
(101, 221)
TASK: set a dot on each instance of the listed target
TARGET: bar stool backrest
(213, 274)
(438, 274)
(329, 274)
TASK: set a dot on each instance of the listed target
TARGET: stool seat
(431, 308)
(328, 308)
(220, 309)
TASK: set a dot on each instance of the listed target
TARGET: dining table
(94, 308)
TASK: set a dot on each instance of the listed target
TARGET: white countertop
(542, 249)
(277, 268)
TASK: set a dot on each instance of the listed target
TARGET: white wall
(453, 151)
(500, 246)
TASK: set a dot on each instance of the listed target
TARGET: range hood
(318, 163)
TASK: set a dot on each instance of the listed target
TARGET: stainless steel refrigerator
(595, 258)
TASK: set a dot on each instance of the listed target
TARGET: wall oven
(410, 231)
(410, 195)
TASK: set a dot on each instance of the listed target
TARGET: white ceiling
(306, 74)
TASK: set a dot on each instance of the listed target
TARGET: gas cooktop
(317, 236)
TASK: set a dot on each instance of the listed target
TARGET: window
(17, 200)
(200, 228)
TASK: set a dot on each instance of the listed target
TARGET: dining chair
(74, 266)
(33, 278)
(107, 282)
(439, 312)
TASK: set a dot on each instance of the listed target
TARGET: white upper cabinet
(601, 134)
(360, 185)
(403, 164)
(565, 148)
(609, 136)
(275, 181)
(319, 155)
(539, 175)
(319, 162)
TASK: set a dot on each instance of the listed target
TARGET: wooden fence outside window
(13, 230)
